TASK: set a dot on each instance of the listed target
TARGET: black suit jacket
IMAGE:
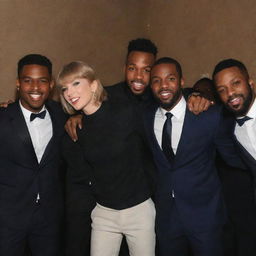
(21, 176)
(246, 156)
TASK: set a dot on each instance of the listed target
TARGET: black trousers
(38, 236)
(240, 230)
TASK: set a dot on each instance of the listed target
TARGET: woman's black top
(117, 165)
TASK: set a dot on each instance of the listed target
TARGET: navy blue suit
(22, 178)
(198, 204)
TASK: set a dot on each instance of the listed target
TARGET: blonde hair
(72, 71)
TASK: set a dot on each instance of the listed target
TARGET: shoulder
(10, 110)
(187, 91)
(55, 109)
(52, 104)
(119, 92)
(112, 88)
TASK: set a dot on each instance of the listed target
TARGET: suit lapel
(18, 124)
(56, 131)
(245, 154)
(150, 118)
(186, 135)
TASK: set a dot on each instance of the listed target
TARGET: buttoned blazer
(21, 176)
(192, 175)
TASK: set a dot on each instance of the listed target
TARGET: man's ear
(182, 82)
(17, 84)
(52, 83)
(251, 83)
(124, 68)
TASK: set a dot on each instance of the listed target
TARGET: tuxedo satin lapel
(56, 131)
(247, 156)
(20, 129)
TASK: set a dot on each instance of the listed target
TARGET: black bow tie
(241, 121)
(39, 115)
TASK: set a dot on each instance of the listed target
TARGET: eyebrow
(41, 77)
(171, 74)
(133, 64)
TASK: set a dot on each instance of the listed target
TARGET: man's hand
(6, 103)
(198, 104)
(71, 126)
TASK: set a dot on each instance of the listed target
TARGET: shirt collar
(178, 110)
(27, 113)
(252, 111)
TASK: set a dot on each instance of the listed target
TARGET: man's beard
(246, 105)
(173, 101)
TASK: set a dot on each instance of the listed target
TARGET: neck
(88, 110)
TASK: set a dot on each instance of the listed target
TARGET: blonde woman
(117, 164)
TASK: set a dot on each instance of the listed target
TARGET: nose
(139, 74)
(230, 91)
(163, 84)
(35, 85)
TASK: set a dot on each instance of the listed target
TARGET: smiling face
(235, 90)
(137, 70)
(79, 93)
(34, 85)
(166, 85)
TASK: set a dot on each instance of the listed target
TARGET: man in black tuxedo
(30, 190)
(236, 91)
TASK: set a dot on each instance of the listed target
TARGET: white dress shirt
(246, 134)
(40, 131)
(177, 123)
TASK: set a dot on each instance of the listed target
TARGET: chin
(138, 92)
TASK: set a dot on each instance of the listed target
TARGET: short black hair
(142, 45)
(168, 60)
(205, 80)
(228, 63)
(35, 59)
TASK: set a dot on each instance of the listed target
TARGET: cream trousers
(136, 223)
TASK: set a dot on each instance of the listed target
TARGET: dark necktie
(241, 121)
(167, 137)
(39, 115)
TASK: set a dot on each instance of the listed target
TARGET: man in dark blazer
(189, 203)
(236, 91)
(30, 189)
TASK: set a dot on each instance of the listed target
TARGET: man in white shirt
(236, 91)
(30, 189)
(189, 203)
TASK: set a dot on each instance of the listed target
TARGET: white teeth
(234, 101)
(74, 99)
(35, 96)
(137, 85)
(165, 93)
